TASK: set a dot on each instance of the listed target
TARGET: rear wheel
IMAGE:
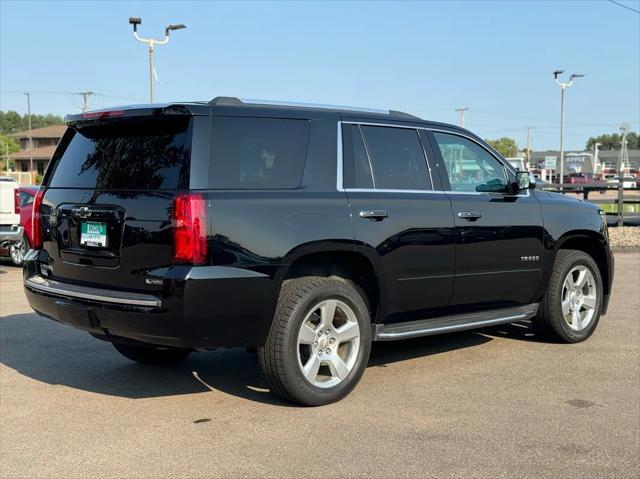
(152, 355)
(571, 307)
(319, 343)
(17, 251)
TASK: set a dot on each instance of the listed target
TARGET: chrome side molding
(448, 324)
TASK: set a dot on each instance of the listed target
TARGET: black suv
(305, 231)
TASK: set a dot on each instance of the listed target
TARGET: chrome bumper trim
(57, 288)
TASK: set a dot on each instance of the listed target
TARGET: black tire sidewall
(305, 391)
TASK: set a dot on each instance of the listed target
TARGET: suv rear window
(136, 153)
(258, 153)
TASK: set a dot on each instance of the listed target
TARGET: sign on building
(550, 162)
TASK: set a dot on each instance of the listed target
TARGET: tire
(305, 332)
(565, 326)
(152, 355)
(17, 251)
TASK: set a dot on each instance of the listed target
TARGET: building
(44, 140)
(605, 166)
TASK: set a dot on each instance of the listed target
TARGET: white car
(10, 228)
(627, 181)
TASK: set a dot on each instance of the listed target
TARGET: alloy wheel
(328, 343)
(17, 251)
(579, 298)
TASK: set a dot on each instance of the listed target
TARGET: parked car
(10, 228)
(17, 249)
(627, 181)
(306, 232)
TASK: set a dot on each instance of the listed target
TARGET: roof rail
(227, 100)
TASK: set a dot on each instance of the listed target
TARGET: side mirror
(523, 181)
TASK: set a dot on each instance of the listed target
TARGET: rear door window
(357, 167)
(258, 153)
(397, 158)
(135, 153)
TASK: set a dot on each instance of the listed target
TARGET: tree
(11, 121)
(612, 141)
(507, 147)
(7, 145)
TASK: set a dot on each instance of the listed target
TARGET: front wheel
(319, 342)
(17, 251)
(152, 355)
(571, 307)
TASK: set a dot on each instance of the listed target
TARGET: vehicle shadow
(57, 354)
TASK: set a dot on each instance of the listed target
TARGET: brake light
(16, 200)
(36, 229)
(189, 229)
(103, 114)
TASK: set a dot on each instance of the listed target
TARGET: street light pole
(563, 86)
(462, 109)
(30, 137)
(135, 21)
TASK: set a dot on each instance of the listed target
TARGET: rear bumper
(10, 233)
(196, 307)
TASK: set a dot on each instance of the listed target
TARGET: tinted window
(397, 158)
(357, 169)
(141, 153)
(469, 166)
(25, 198)
(260, 153)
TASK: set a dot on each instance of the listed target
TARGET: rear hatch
(107, 207)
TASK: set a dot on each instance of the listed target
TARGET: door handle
(374, 215)
(469, 215)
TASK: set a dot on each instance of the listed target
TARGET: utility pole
(135, 21)
(30, 137)
(528, 147)
(622, 159)
(85, 99)
(596, 158)
(563, 86)
(462, 109)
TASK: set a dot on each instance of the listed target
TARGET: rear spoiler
(128, 111)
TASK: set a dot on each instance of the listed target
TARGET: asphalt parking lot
(494, 403)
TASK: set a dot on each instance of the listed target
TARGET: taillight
(36, 230)
(16, 201)
(189, 229)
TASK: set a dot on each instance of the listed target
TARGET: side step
(448, 324)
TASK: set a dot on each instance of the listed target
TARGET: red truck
(16, 251)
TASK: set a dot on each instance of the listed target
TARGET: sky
(426, 58)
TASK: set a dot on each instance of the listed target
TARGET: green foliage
(11, 121)
(507, 147)
(39, 179)
(8, 144)
(612, 141)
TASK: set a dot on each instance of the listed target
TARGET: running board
(448, 324)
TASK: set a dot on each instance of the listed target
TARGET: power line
(625, 6)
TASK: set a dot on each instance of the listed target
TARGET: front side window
(258, 153)
(384, 158)
(470, 167)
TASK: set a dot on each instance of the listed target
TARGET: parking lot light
(135, 21)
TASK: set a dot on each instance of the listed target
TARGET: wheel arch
(594, 245)
(344, 261)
